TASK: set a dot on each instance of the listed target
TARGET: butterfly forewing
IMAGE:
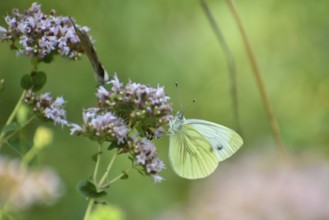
(191, 155)
(223, 140)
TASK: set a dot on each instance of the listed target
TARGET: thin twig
(260, 83)
(98, 158)
(230, 62)
(105, 175)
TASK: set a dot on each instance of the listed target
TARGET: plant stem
(28, 157)
(119, 176)
(12, 115)
(260, 82)
(89, 209)
(16, 131)
(102, 180)
(230, 62)
(105, 175)
(99, 152)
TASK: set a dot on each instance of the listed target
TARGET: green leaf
(48, 58)
(125, 175)
(88, 189)
(39, 79)
(94, 157)
(11, 127)
(20, 146)
(114, 145)
(26, 82)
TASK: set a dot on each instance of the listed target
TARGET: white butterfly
(196, 146)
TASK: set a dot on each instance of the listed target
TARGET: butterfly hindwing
(191, 155)
(223, 140)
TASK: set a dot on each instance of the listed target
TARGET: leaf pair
(34, 81)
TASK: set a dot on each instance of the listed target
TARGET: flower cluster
(145, 156)
(129, 116)
(46, 107)
(40, 35)
(101, 126)
(139, 104)
(21, 190)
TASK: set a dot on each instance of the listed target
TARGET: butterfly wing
(223, 140)
(191, 155)
(101, 74)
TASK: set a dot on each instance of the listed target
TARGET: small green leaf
(94, 157)
(11, 127)
(39, 79)
(114, 145)
(26, 82)
(48, 58)
(125, 175)
(142, 172)
(20, 146)
(88, 189)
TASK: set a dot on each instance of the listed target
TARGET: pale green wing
(191, 155)
(223, 140)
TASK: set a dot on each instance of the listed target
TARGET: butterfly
(196, 146)
(100, 72)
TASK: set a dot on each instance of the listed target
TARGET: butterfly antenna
(179, 97)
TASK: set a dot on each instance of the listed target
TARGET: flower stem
(230, 62)
(28, 157)
(102, 180)
(16, 131)
(105, 175)
(260, 82)
(98, 158)
(89, 208)
(119, 176)
(12, 115)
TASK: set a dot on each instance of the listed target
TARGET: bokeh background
(163, 42)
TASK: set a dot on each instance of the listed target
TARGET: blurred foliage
(161, 42)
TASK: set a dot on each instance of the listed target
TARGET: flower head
(137, 103)
(46, 107)
(145, 156)
(21, 190)
(101, 126)
(40, 35)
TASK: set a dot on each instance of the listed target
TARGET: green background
(163, 42)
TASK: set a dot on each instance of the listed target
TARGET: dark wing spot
(219, 147)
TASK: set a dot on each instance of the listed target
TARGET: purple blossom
(75, 129)
(146, 157)
(46, 107)
(140, 104)
(157, 178)
(101, 126)
(40, 34)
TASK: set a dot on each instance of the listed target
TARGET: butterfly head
(180, 115)
(177, 122)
